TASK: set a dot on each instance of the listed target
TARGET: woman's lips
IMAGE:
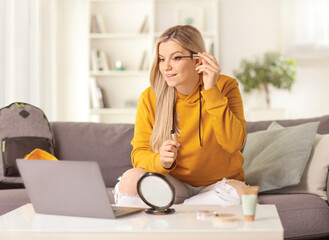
(170, 75)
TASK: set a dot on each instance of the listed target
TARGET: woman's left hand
(210, 69)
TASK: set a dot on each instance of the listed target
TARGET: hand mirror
(157, 192)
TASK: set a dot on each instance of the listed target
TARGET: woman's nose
(167, 64)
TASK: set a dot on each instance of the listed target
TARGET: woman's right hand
(168, 153)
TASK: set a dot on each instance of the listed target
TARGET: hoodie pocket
(19, 147)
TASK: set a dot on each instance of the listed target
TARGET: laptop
(69, 188)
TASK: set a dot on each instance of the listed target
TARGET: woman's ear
(198, 62)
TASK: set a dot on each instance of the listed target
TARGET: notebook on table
(69, 188)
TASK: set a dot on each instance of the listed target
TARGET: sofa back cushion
(262, 125)
(314, 179)
(276, 158)
(107, 144)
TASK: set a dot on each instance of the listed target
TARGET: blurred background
(82, 60)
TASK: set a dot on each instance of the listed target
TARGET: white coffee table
(24, 223)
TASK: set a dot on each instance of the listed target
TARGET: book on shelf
(93, 25)
(94, 60)
(143, 63)
(96, 94)
(99, 61)
(104, 63)
(97, 24)
(145, 25)
(101, 23)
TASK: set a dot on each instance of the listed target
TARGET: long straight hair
(191, 39)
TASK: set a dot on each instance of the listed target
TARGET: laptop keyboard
(118, 210)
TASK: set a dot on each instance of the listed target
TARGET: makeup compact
(157, 192)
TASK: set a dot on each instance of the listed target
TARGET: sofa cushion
(314, 179)
(303, 216)
(110, 193)
(107, 144)
(11, 199)
(277, 158)
(323, 127)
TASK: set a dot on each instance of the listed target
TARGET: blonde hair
(191, 39)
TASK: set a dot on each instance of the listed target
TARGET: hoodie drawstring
(200, 116)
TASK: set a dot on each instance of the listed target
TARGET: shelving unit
(123, 41)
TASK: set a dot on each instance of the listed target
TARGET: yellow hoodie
(223, 134)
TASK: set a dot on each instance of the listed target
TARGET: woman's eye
(161, 59)
(177, 58)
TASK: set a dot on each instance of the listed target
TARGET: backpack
(23, 128)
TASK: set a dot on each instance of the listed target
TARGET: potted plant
(272, 69)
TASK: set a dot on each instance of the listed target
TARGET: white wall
(249, 28)
(309, 96)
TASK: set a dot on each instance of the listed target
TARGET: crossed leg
(126, 190)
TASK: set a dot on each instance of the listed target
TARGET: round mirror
(157, 192)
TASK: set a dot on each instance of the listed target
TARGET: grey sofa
(304, 216)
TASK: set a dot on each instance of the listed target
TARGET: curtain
(2, 55)
(20, 70)
(44, 56)
(28, 53)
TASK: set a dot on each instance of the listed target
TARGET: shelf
(126, 31)
(99, 36)
(113, 111)
(125, 73)
(113, 115)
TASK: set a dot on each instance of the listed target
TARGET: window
(305, 26)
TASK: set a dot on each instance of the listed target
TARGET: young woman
(189, 98)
